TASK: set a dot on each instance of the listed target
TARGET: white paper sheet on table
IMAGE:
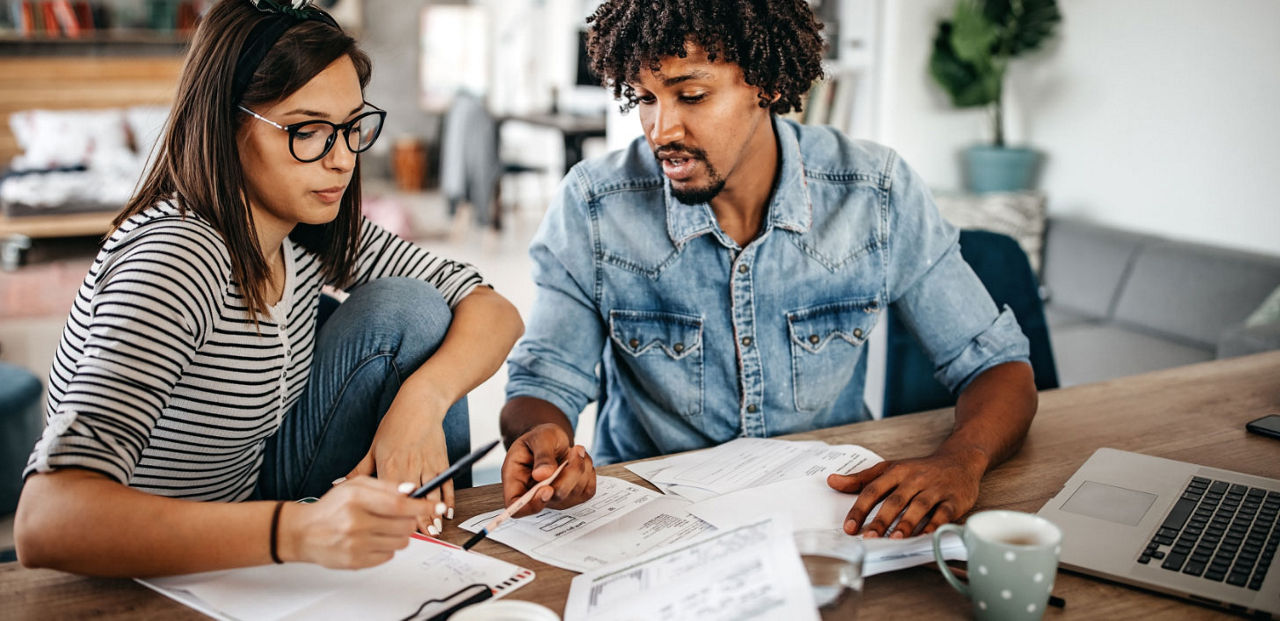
(812, 505)
(427, 569)
(749, 572)
(621, 521)
(750, 462)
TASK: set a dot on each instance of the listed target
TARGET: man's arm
(993, 415)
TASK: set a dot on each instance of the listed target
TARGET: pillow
(1019, 215)
(58, 138)
(1268, 313)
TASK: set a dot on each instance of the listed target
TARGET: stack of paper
(724, 487)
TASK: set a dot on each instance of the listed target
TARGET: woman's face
(282, 190)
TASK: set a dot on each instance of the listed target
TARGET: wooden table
(1195, 413)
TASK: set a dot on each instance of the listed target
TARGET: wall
(1157, 115)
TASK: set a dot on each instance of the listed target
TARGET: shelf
(143, 36)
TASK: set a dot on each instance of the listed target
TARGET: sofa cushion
(1095, 352)
(1192, 292)
(1084, 265)
(1058, 317)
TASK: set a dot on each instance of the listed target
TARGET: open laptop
(1201, 533)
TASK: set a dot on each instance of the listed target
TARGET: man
(719, 277)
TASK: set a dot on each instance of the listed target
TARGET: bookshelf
(70, 27)
(846, 98)
(89, 55)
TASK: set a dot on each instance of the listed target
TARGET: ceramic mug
(1013, 559)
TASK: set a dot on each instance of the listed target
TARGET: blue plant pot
(997, 169)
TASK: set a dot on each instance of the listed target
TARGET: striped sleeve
(384, 255)
(148, 307)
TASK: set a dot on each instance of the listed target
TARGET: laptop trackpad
(1110, 503)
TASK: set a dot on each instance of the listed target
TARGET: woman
(191, 367)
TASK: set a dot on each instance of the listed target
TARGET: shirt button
(679, 347)
(743, 269)
(752, 408)
(634, 343)
(813, 338)
(746, 341)
(857, 333)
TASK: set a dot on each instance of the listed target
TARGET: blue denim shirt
(689, 340)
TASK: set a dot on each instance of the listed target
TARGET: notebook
(1205, 534)
(428, 579)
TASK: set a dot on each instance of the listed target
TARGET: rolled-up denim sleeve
(936, 293)
(556, 361)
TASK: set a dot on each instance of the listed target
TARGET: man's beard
(695, 196)
(698, 196)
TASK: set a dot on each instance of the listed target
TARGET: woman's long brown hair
(197, 162)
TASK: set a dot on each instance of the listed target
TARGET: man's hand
(534, 456)
(944, 485)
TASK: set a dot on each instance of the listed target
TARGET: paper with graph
(621, 521)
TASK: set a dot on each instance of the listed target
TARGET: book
(48, 19)
(66, 17)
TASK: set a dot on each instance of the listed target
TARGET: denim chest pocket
(826, 342)
(664, 353)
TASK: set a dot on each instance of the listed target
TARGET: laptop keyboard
(1219, 531)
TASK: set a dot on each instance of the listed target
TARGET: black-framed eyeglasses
(310, 141)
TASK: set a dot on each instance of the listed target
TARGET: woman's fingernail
(897, 534)
(547, 494)
(406, 487)
(433, 531)
(440, 508)
(850, 526)
(339, 481)
(871, 534)
(449, 514)
(582, 452)
(438, 524)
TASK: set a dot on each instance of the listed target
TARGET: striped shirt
(161, 380)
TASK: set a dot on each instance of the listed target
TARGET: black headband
(264, 35)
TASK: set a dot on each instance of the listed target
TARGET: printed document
(422, 580)
(750, 462)
(749, 572)
(811, 504)
(621, 521)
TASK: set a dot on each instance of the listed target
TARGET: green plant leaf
(1025, 24)
(973, 37)
(964, 82)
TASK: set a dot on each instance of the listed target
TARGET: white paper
(621, 521)
(425, 570)
(811, 504)
(751, 572)
(750, 462)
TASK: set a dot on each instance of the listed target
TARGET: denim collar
(789, 208)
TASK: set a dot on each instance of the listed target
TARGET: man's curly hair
(777, 43)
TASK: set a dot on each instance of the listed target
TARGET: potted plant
(971, 52)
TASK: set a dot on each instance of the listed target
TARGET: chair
(21, 421)
(1003, 268)
(471, 167)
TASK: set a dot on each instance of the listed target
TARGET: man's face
(700, 119)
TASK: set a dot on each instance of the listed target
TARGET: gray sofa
(1121, 303)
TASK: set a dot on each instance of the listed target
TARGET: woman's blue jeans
(365, 348)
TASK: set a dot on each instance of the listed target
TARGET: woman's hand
(360, 523)
(409, 446)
